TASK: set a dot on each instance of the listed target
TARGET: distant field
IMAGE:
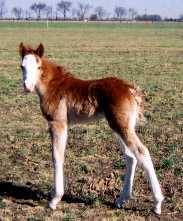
(90, 24)
(150, 55)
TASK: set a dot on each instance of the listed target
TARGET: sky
(165, 8)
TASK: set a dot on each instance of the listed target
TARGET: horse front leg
(59, 139)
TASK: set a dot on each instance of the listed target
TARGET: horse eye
(39, 68)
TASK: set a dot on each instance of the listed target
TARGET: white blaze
(30, 71)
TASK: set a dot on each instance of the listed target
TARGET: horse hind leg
(136, 149)
(131, 163)
(144, 159)
(123, 123)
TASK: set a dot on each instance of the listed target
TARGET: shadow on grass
(68, 198)
(23, 194)
(131, 208)
(29, 192)
(20, 192)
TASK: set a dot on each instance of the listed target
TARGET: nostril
(25, 88)
(28, 86)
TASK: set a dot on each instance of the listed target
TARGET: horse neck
(50, 73)
(52, 85)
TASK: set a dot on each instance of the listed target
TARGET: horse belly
(79, 118)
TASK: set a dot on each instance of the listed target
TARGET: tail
(139, 98)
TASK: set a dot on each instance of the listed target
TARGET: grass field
(150, 55)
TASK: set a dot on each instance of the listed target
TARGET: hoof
(157, 208)
(52, 205)
(119, 203)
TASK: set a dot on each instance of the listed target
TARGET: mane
(61, 83)
(54, 69)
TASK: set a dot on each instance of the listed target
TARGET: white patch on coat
(30, 72)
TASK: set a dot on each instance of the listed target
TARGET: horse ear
(40, 50)
(22, 49)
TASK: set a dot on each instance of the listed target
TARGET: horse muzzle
(28, 87)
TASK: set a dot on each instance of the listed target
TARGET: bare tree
(18, 12)
(181, 16)
(27, 14)
(64, 7)
(82, 10)
(34, 8)
(49, 12)
(132, 13)
(38, 8)
(2, 9)
(74, 13)
(120, 12)
(100, 12)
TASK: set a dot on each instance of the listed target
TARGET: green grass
(92, 25)
(149, 55)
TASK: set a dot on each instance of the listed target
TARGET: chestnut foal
(65, 99)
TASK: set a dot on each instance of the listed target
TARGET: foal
(65, 99)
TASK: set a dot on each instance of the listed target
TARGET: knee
(57, 126)
(130, 157)
(130, 154)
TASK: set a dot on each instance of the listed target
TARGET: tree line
(65, 10)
